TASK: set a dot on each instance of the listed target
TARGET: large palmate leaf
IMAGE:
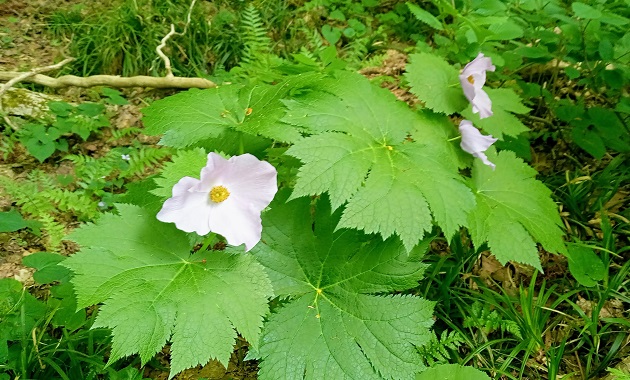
(452, 372)
(505, 103)
(339, 323)
(514, 211)
(191, 116)
(436, 83)
(153, 290)
(395, 168)
(186, 163)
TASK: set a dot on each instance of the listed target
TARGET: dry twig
(158, 49)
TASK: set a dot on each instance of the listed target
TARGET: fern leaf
(255, 37)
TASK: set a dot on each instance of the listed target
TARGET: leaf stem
(454, 138)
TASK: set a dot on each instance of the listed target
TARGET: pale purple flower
(227, 200)
(125, 157)
(472, 79)
(474, 142)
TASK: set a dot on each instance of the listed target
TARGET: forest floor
(24, 45)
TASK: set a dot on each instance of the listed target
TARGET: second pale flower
(472, 79)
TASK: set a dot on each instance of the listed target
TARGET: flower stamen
(470, 79)
(218, 194)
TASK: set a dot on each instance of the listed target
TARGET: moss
(22, 102)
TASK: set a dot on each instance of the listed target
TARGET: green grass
(561, 331)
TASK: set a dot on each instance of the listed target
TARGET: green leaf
(614, 19)
(588, 140)
(533, 52)
(607, 123)
(332, 35)
(113, 96)
(60, 108)
(153, 290)
(40, 150)
(195, 115)
(452, 372)
(614, 78)
(585, 265)
(514, 211)
(47, 267)
(12, 221)
(623, 106)
(490, 7)
(424, 16)
(361, 153)
(19, 309)
(507, 30)
(64, 304)
(505, 102)
(337, 15)
(186, 163)
(572, 72)
(585, 11)
(606, 49)
(140, 193)
(436, 83)
(519, 145)
(90, 109)
(339, 323)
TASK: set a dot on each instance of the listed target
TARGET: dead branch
(158, 49)
(171, 33)
(110, 81)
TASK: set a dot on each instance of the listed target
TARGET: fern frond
(79, 203)
(143, 158)
(483, 317)
(118, 134)
(54, 232)
(315, 40)
(356, 51)
(436, 350)
(255, 38)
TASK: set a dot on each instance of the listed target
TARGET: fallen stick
(109, 81)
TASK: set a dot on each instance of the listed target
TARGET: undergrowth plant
(363, 185)
(322, 281)
(559, 53)
(92, 185)
(49, 338)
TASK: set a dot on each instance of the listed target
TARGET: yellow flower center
(471, 80)
(218, 194)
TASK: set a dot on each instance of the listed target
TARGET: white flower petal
(472, 79)
(252, 181)
(237, 223)
(474, 142)
(480, 64)
(188, 209)
(482, 104)
(484, 159)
